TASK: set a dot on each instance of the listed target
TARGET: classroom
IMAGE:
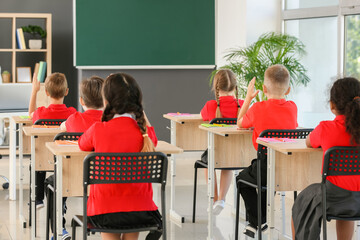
(164, 71)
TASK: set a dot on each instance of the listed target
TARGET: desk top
(30, 131)
(185, 118)
(74, 150)
(298, 145)
(18, 119)
(224, 131)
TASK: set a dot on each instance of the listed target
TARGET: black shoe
(250, 229)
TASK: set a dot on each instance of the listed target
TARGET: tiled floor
(11, 228)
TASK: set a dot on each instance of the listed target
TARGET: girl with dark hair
(123, 129)
(344, 130)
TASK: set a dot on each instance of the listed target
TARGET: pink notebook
(179, 114)
(276, 139)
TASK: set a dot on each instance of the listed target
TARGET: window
(330, 30)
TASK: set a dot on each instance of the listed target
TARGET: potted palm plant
(271, 48)
(36, 34)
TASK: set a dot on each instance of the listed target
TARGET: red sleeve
(152, 135)
(86, 141)
(205, 113)
(36, 115)
(315, 136)
(69, 122)
(248, 119)
(241, 102)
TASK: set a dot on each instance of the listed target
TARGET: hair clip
(355, 98)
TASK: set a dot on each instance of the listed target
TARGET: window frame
(343, 9)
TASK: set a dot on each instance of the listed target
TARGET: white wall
(240, 23)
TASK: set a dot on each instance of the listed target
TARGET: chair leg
(194, 194)
(30, 198)
(73, 229)
(237, 213)
(47, 214)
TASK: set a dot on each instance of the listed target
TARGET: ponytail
(352, 116)
(148, 145)
(108, 113)
(218, 113)
(237, 101)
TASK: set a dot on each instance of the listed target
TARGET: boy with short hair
(92, 102)
(274, 113)
(56, 88)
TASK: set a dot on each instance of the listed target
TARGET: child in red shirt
(56, 88)
(123, 129)
(226, 105)
(274, 113)
(92, 102)
(344, 130)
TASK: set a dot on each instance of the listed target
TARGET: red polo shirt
(330, 134)
(80, 122)
(270, 114)
(120, 134)
(228, 108)
(53, 111)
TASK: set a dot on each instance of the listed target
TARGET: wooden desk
(185, 134)
(291, 167)
(69, 172)
(227, 147)
(24, 147)
(40, 157)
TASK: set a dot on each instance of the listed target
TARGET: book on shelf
(20, 38)
(42, 71)
(36, 69)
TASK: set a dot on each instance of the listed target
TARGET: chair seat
(78, 221)
(330, 217)
(201, 164)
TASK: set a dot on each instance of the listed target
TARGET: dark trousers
(39, 185)
(249, 194)
(50, 196)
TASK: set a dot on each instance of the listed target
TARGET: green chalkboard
(144, 32)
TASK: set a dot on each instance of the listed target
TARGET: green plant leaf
(271, 48)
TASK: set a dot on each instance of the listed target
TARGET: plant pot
(6, 77)
(35, 43)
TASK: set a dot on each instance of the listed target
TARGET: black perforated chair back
(341, 161)
(109, 168)
(146, 167)
(71, 136)
(223, 121)
(50, 122)
(338, 161)
(281, 133)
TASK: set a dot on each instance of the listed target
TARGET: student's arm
(307, 141)
(250, 94)
(63, 126)
(34, 91)
(86, 140)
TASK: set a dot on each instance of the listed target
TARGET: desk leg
(211, 172)
(12, 161)
(270, 192)
(21, 175)
(33, 208)
(174, 216)
(59, 198)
